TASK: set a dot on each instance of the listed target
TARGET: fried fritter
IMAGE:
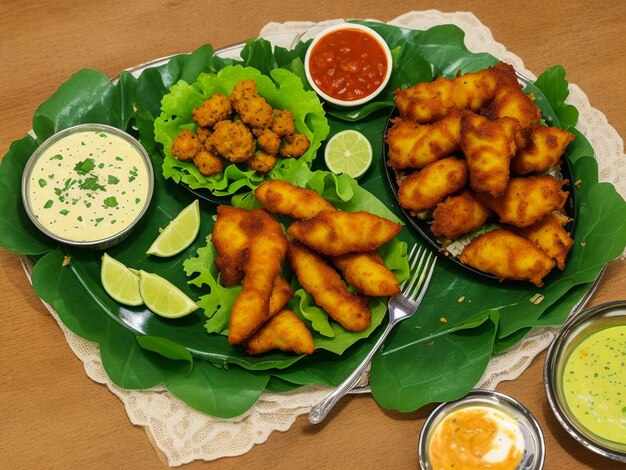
(507, 255)
(281, 197)
(208, 163)
(457, 215)
(413, 145)
(527, 200)
(232, 140)
(281, 294)
(544, 150)
(426, 188)
(203, 134)
(488, 147)
(286, 332)
(262, 162)
(367, 273)
(243, 89)
(550, 235)
(327, 288)
(510, 101)
(267, 140)
(254, 111)
(231, 243)
(294, 146)
(215, 109)
(185, 145)
(335, 233)
(283, 122)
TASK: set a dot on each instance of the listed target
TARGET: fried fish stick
(367, 273)
(488, 147)
(527, 200)
(510, 101)
(281, 197)
(507, 255)
(231, 243)
(550, 235)
(286, 332)
(281, 294)
(327, 288)
(335, 233)
(413, 145)
(458, 214)
(544, 150)
(426, 188)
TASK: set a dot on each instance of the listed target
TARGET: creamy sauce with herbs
(594, 383)
(88, 186)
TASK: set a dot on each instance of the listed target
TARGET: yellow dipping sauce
(594, 383)
(88, 186)
(476, 437)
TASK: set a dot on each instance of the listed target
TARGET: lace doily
(183, 434)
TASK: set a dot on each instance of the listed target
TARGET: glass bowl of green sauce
(585, 378)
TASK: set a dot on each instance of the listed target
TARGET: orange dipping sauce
(348, 64)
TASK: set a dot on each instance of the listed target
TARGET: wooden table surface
(52, 414)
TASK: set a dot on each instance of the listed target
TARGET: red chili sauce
(348, 64)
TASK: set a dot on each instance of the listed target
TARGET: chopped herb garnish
(58, 156)
(102, 134)
(113, 180)
(133, 174)
(101, 166)
(80, 218)
(42, 182)
(110, 202)
(64, 212)
(99, 219)
(137, 200)
(48, 204)
(113, 221)
(84, 167)
(119, 159)
(91, 184)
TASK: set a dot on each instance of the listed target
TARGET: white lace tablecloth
(183, 434)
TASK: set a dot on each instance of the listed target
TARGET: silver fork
(400, 307)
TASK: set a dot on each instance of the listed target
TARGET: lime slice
(119, 281)
(179, 233)
(164, 298)
(348, 152)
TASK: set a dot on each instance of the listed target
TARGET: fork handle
(321, 410)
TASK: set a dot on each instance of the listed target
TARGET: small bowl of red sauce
(348, 64)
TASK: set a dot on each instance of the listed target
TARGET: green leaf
(555, 89)
(166, 348)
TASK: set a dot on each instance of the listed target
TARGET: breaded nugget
(426, 188)
(266, 250)
(367, 273)
(215, 109)
(510, 101)
(208, 163)
(294, 146)
(283, 122)
(327, 288)
(527, 200)
(281, 197)
(281, 294)
(243, 89)
(335, 233)
(507, 255)
(550, 235)
(232, 140)
(203, 134)
(267, 140)
(254, 111)
(413, 145)
(231, 243)
(262, 162)
(457, 215)
(286, 332)
(488, 147)
(185, 145)
(544, 150)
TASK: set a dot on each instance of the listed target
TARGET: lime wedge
(348, 152)
(119, 281)
(164, 298)
(179, 233)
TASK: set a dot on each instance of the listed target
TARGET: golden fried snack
(281, 294)
(544, 150)
(281, 197)
(286, 332)
(232, 140)
(231, 243)
(488, 147)
(510, 101)
(283, 123)
(426, 188)
(262, 162)
(458, 214)
(267, 140)
(254, 111)
(335, 233)
(413, 145)
(185, 145)
(294, 146)
(208, 163)
(507, 255)
(367, 273)
(203, 134)
(243, 89)
(527, 200)
(266, 250)
(550, 235)
(215, 109)
(327, 288)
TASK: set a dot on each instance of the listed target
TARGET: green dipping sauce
(594, 383)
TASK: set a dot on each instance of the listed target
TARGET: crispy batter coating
(208, 163)
(458, 214)
(510, 101)
(254, 111)
(203, 134)
(185, 145)
(327, 288)
(367, 273)
(215, 109)
(413, 145)
(232, 140)
(262, 162)
(335, 233)
(527, 200)
(294, 146)
(281, 294)
(507, 255)
(286, 332)
(281, 197)
(231, 243)
(544, 150)
(283, 122)
(550, 235)
(243, 90)
(488, 147)
(267, 140)
(426, 188)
